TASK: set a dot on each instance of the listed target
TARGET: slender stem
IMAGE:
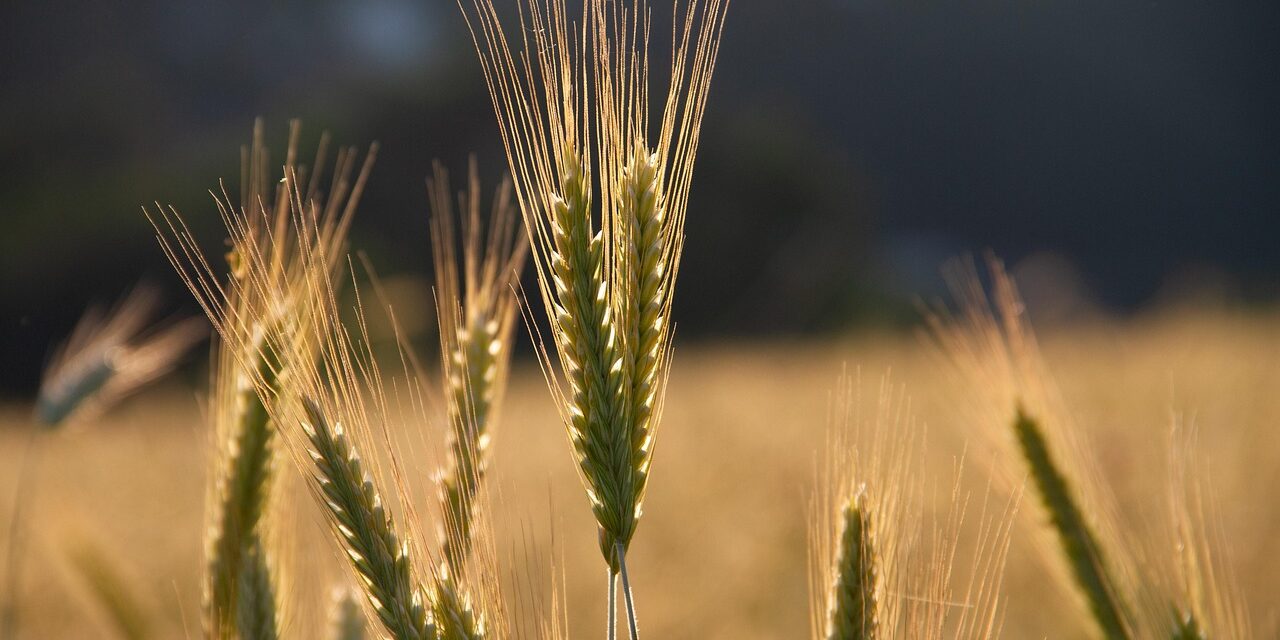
(17, 533)
(613, 605)
(626, 594)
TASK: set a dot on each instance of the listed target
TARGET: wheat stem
(853, 607)
(356, 510)
(612, 618)
(626, 594)
(1081, 548)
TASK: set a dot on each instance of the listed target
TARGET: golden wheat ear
(572, 106)
(262, 308)
(476, 307)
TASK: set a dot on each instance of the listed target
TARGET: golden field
(721, 551)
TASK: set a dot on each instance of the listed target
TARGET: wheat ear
(1080, 547)
(852, 601)
(357, 513)
(606, 285)
(477, 308)
(255, 595)
(242, 496)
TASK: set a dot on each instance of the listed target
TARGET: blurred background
(1126, 154)
(1123, 157)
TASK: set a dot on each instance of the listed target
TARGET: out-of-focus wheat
(262, 312)
(879, 567)
(111, 354)
(1117, 573)
(476, 303)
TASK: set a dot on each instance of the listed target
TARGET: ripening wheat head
(342, 436)
(880, 566)
(109, 355)
(476, 303)
(260, 309)
(573, 111)
(1086, 545)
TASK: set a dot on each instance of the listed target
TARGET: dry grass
(724, 551)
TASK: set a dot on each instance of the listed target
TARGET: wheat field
(723, 553)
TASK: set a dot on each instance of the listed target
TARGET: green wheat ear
(852, 614)
(365, 528)
(243, 495)
(1083, 553)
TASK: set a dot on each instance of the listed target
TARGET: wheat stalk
(356, 511)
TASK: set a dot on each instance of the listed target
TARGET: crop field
(722, 548)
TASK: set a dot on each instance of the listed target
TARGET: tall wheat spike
(573, 111)
(349, 404)
(476, 304)
(261, 312)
